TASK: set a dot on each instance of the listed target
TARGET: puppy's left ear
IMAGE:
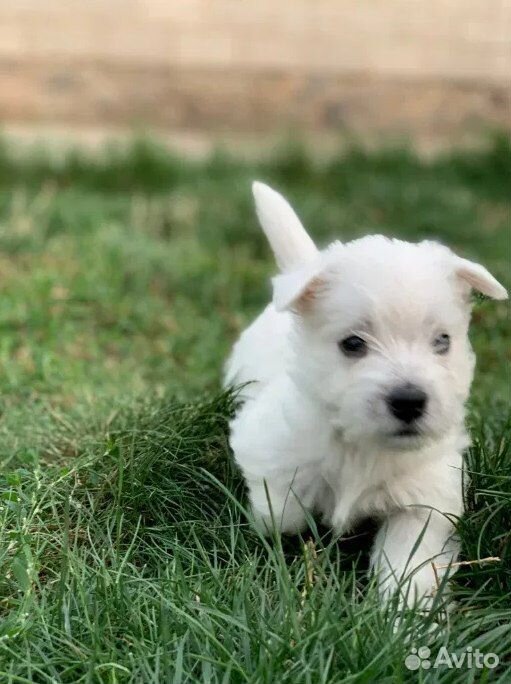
(292, 291)
(478, 278)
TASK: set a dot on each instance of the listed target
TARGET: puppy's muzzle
(407, 403)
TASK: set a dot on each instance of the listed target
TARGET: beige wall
(257, 64)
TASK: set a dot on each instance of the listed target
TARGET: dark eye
(441, 344)
(353, 346)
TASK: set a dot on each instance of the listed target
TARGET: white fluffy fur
(315, 434)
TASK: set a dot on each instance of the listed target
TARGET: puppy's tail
(288, 239)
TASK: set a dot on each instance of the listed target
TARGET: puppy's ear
(478, 278)
(289, 240)
(296, 290)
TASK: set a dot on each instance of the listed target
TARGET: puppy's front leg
(276, 505)
(406, 545)
(278, 440)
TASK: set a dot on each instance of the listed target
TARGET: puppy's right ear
(295, 290)
(478, 278)
(289, 240)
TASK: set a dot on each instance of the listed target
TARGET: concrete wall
(249, 65)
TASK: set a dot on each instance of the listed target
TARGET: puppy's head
(381, 328)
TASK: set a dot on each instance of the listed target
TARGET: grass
(124, 551)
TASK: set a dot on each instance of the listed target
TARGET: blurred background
(244, 71)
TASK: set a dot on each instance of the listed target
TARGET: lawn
(124, 551)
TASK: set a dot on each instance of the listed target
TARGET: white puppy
(362, 366)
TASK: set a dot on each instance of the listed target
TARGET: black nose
(407, 403)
